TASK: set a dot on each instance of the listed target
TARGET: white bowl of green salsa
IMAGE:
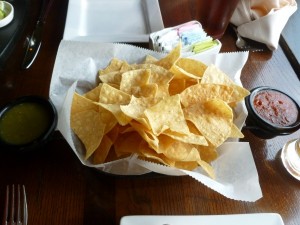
(27, 123)
(6, 13)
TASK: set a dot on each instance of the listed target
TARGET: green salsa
(24, 123)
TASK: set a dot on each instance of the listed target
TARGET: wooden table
(61, 190)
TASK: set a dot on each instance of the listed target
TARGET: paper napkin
(263, 21)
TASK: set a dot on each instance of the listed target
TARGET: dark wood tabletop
(60, 190)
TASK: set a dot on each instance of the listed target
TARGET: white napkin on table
(263, 20)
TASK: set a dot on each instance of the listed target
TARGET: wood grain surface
(61, 190)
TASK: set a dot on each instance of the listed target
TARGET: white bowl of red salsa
(271, 113)
(27, 123)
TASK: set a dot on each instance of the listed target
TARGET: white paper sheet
(76, 68)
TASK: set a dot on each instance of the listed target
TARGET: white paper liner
(76, 68)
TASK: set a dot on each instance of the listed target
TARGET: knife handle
(45, 8)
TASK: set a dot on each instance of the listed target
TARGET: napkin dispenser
(193, 38)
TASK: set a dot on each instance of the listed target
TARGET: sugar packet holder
(193, 38)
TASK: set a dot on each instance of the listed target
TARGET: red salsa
(276, 108)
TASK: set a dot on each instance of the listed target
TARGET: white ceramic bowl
(8, 9)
